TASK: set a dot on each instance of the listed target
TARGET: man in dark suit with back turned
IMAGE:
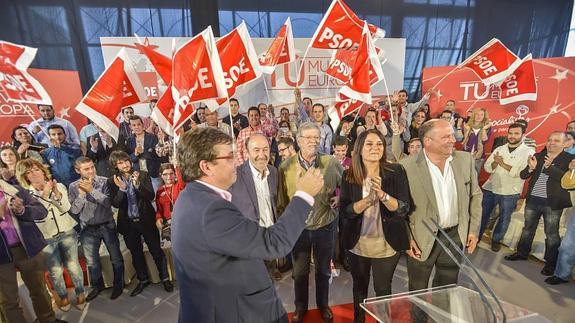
(217, 251)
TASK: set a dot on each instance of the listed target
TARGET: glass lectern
(472, 300)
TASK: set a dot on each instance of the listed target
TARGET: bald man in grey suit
(444, 187)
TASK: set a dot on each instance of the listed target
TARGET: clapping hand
(120, 183)
(498, 158)
(532, 163)
(86, 185)
(135, 178)
(16, 205)
(547, 161)
(94, 142)
(376, 188)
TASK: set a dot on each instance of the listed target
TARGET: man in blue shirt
(91, 204)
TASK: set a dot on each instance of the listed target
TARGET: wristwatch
(385, 198)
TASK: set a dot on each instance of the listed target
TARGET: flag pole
(266, 89)
(234, 148)
(388, 99)
(444, 77)
(29, 113)
(301, 65)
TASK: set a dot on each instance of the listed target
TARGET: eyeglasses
(228, 157)
(311, 138)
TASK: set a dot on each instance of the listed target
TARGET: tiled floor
(516, 282)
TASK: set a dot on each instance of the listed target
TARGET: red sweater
(166, 196)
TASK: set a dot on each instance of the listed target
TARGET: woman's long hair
(483, 123)
(15, 142)
(357, 172)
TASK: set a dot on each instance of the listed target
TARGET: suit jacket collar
(249, 183)
(425, 178)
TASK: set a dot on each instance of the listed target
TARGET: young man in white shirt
(504, 186)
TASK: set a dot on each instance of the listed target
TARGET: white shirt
(445, 192)
(501, 181)
(266, 217)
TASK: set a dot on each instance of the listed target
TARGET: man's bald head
(437, 137)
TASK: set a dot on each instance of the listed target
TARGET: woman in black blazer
(373, 204)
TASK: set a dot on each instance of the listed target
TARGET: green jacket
(322, 213)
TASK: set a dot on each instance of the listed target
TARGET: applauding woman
(166, 197)
(58, 230)
(374, 202)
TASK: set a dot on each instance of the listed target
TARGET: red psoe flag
(520, 85)
(239, 61)
(196, 73)
(492, 63)
(342, 107)
(161, 63)
(365, 72)
(341, 28)
(281, 51)
(163, 112)
(117, 88)
(16, 85)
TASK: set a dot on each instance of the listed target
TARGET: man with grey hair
(444, 188)
(319, 234)
(545, 197)
(212, 121)
(218, 251)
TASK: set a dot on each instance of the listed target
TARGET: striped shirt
(540, 187)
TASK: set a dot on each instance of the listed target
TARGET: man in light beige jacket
(444, 188)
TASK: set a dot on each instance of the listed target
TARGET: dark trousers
(133, 239)
(322, 241)
(446, 270)
(534, 209)
(382, 270)
(32, 273)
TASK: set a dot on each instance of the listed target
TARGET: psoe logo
(520, 113)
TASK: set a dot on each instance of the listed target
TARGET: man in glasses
(218, 252)
(321, 226)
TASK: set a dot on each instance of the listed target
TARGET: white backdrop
(314, 82)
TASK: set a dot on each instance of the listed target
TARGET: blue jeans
(507, 204)
(534, 209)
(91, 238)
(62, 251)
(322, 241)
(566, 259)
